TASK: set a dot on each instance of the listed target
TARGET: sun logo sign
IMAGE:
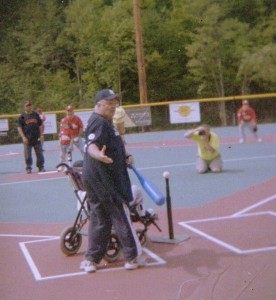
(185, 112)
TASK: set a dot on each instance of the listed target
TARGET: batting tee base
(167, 240)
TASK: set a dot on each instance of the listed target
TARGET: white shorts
(214, 165)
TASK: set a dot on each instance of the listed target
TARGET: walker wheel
(70, 241)
(142, 236)
(113, 249)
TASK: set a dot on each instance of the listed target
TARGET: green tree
(165, 53)
(62, 51)
(32, 59)
(206, 53)
(99, 42)
(258, 66)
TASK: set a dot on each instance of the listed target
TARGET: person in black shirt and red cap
(30, 128)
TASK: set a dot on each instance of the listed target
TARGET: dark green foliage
(60, 52)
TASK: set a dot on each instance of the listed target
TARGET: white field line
(40, 239)
(240, 214)
(262, 202)
(146, 168)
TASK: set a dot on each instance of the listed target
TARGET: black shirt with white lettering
(30, 124)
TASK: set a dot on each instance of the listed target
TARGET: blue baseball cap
(105, 94)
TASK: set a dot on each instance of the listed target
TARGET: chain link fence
(159, 116)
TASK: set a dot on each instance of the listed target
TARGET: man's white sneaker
(141, 261)
(88, 266)
(135, 263)
(259, 140)
(241, 141)
(131, 265)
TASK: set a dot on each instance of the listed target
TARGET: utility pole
(140, 53)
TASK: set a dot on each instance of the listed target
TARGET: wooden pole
(140, 53)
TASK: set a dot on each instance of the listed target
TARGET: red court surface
(230, 254)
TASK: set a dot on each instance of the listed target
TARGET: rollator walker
(71, 237)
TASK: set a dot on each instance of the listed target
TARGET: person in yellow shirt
(119, 121)
(209, 157)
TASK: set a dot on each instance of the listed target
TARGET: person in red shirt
(247, 119)
(65, 139)
(76, 127)
(43, 119)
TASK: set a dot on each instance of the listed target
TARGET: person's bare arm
(21, 133)
(206, 143)
(41, 134)
(190, 133)
(129, 159)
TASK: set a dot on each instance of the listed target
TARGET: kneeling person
(209, 158)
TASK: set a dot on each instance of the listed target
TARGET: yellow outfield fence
(163, 103)
(165, 115)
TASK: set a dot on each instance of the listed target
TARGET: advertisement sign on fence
(184, 113)
(135, 117)
(4, 127)
(138, 117)
(50, 124)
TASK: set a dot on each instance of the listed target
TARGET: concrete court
(51, 200)
(230, 218)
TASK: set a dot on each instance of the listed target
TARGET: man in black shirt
(30, 129)
(108, 186)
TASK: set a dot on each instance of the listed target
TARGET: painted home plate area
(229, 253)
(244, 232)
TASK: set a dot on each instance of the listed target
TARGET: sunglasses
(28, 104)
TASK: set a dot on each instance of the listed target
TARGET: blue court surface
(49, 198)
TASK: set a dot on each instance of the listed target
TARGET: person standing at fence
(65, 140)
(107, 182)
(119, 120)
(30, 130)
(43, 119)
(76, 127)
(209, 157)
(247, 120)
